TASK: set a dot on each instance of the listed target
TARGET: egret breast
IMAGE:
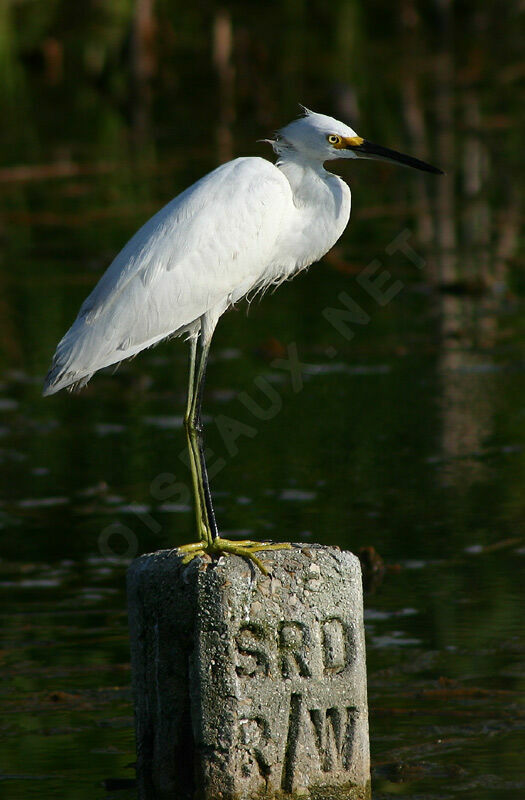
(320, 214)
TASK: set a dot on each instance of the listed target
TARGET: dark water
(403, 431)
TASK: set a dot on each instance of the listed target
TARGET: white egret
(247, 225)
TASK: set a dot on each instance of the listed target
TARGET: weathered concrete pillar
(249, 686)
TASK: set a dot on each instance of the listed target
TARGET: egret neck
(322, 209)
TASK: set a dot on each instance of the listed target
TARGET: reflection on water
(407, 439)
(469, 331)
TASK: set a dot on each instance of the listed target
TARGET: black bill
(369, 150)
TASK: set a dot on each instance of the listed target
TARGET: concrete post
(249, 686)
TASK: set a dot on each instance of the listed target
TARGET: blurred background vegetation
(93, 84)
(409, 441)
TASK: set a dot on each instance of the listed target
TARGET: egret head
(317, 137)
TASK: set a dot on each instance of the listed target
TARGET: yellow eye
(333, 139)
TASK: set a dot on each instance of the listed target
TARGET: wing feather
(196, 254)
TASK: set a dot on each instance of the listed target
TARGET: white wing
(197, 255)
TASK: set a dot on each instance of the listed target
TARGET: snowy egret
(248, 225)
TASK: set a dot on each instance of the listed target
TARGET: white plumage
(244, 226)
(247, 225)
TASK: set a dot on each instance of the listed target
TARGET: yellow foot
(219, 546)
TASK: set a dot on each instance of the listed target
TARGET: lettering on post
(294, 650)
(255, 735)
(332, 731)
(292, 659)
(253, 659)
(335, 645)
